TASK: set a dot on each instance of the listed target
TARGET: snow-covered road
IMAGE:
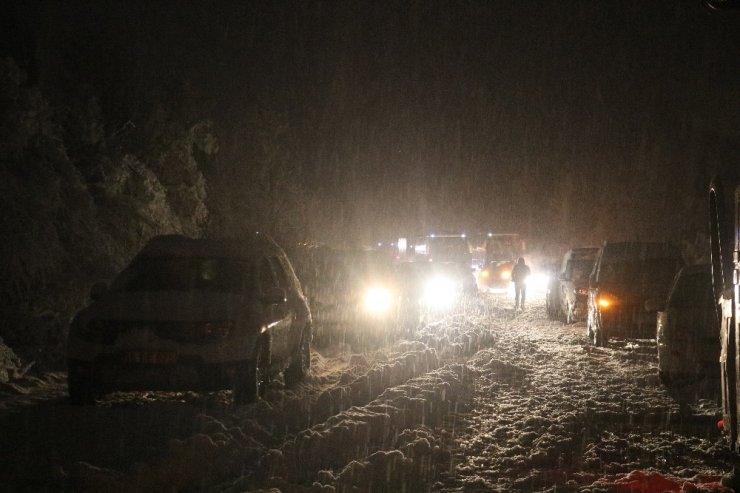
(482, 402)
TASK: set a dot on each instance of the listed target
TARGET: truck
(502, 252)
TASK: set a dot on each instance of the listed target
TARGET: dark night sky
(434, 115)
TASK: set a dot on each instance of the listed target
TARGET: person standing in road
(519, 275)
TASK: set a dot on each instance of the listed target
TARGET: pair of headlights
(437, 293)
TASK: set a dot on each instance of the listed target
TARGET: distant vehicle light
(378, 300)
(440, 293)
(538, 282)
(582, 291)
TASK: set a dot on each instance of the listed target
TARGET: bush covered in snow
(78, 202)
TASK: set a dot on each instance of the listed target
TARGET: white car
(192, 314)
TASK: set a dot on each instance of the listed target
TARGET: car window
(692, 291)
(282, 278)
(653, 271)
(186, 274)
(267, 279)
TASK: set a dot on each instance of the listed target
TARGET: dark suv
(629, 283)
(192, 314)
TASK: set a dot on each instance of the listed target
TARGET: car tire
(80, 384)
(251, 378)
(300, 361)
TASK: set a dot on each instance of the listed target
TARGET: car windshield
(225, 275)
(653, 271)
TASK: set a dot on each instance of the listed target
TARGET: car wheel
(300, 361)
(80, 384)
(250, 378)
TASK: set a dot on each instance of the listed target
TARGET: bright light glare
(378, 300)
(538, 282)
(505, 275)
(604, 303)
(440, 293)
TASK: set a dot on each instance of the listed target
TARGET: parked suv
(627, 287)
(576, 269)
(688, 330)
(196, 314)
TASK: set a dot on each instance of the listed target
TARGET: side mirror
(98, 290)
(274, 296)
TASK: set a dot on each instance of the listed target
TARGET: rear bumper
(628, 322)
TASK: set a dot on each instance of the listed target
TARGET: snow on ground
(482, 401)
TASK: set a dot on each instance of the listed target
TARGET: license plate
(149, 358)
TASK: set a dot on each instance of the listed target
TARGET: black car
(193, 314)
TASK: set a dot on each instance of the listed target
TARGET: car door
(278, 315)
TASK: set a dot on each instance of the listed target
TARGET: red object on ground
(721, 424)
(654, 482)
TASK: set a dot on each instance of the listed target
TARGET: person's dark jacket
(520, 273)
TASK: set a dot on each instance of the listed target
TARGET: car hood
(172, 306)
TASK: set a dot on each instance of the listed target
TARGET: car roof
(184, 246)
(582, 253)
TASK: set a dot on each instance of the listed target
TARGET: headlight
(378, 300)
(506, 275)
(538, 282)
(485, 274)
(440, 292)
